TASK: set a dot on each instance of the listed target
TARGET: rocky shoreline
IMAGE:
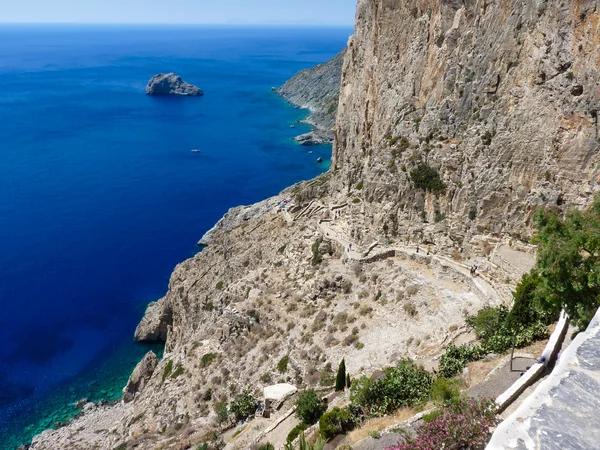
(316, 89)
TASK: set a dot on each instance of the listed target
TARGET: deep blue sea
(100, 195)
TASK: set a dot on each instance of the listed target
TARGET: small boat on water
(195, 150)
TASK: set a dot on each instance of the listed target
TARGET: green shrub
(498, 328)
(309, 407)
(282, 365)
(266, 378)
(167, 370)
(427, 178)
(267, 446)
(293, 434)
(178, 371)
(219, 285)
(207, 396)
(472, 213)
(212, 442)
(243, 406)
(316, 255)
(334, 422)
(404, 385)
(430, 417)
(254, 314)
(222, 412)
(445, 391)
(340, 379)
(327, 378)
(207, 359)
(456, 358)
(486, 138)
(487, 321)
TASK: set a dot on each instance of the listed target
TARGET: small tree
(309, 407)
(243, 406)
(568, 262)
(340, 380)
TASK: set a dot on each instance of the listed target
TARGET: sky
(294, 12)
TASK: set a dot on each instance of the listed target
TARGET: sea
(101, 195)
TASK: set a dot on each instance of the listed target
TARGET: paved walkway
(501, 378)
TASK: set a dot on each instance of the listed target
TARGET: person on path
(417, 249)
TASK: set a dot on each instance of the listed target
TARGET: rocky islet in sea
(171, 84)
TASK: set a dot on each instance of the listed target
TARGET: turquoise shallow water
(100, 196)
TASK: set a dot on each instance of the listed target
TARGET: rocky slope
(494, 104)
(317, 89)
(171, 84)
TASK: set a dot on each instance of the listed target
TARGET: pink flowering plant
(461, 426)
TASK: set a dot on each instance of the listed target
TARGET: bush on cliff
(455, 358)
(294, 432)
(334, 422)
(404, 385)
(243, 406)
(427, 178)
(309, 407)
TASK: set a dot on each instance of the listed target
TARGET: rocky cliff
(498, 98)
(456, 119)
(317, 89)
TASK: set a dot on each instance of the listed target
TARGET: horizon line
(216, 24)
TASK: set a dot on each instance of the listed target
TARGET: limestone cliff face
(500, 97)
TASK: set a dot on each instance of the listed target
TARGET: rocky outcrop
(154, 326)
(171, 84)
(316, 137)
(140, 376)
(317, 89)
(239, 215)
(499, 98)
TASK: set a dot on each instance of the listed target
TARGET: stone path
(501, 378)
(385, 441)
(375, 250)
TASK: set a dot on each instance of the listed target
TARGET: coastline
(107, 405)
(101, 385)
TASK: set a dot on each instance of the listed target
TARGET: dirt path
(352, 252)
